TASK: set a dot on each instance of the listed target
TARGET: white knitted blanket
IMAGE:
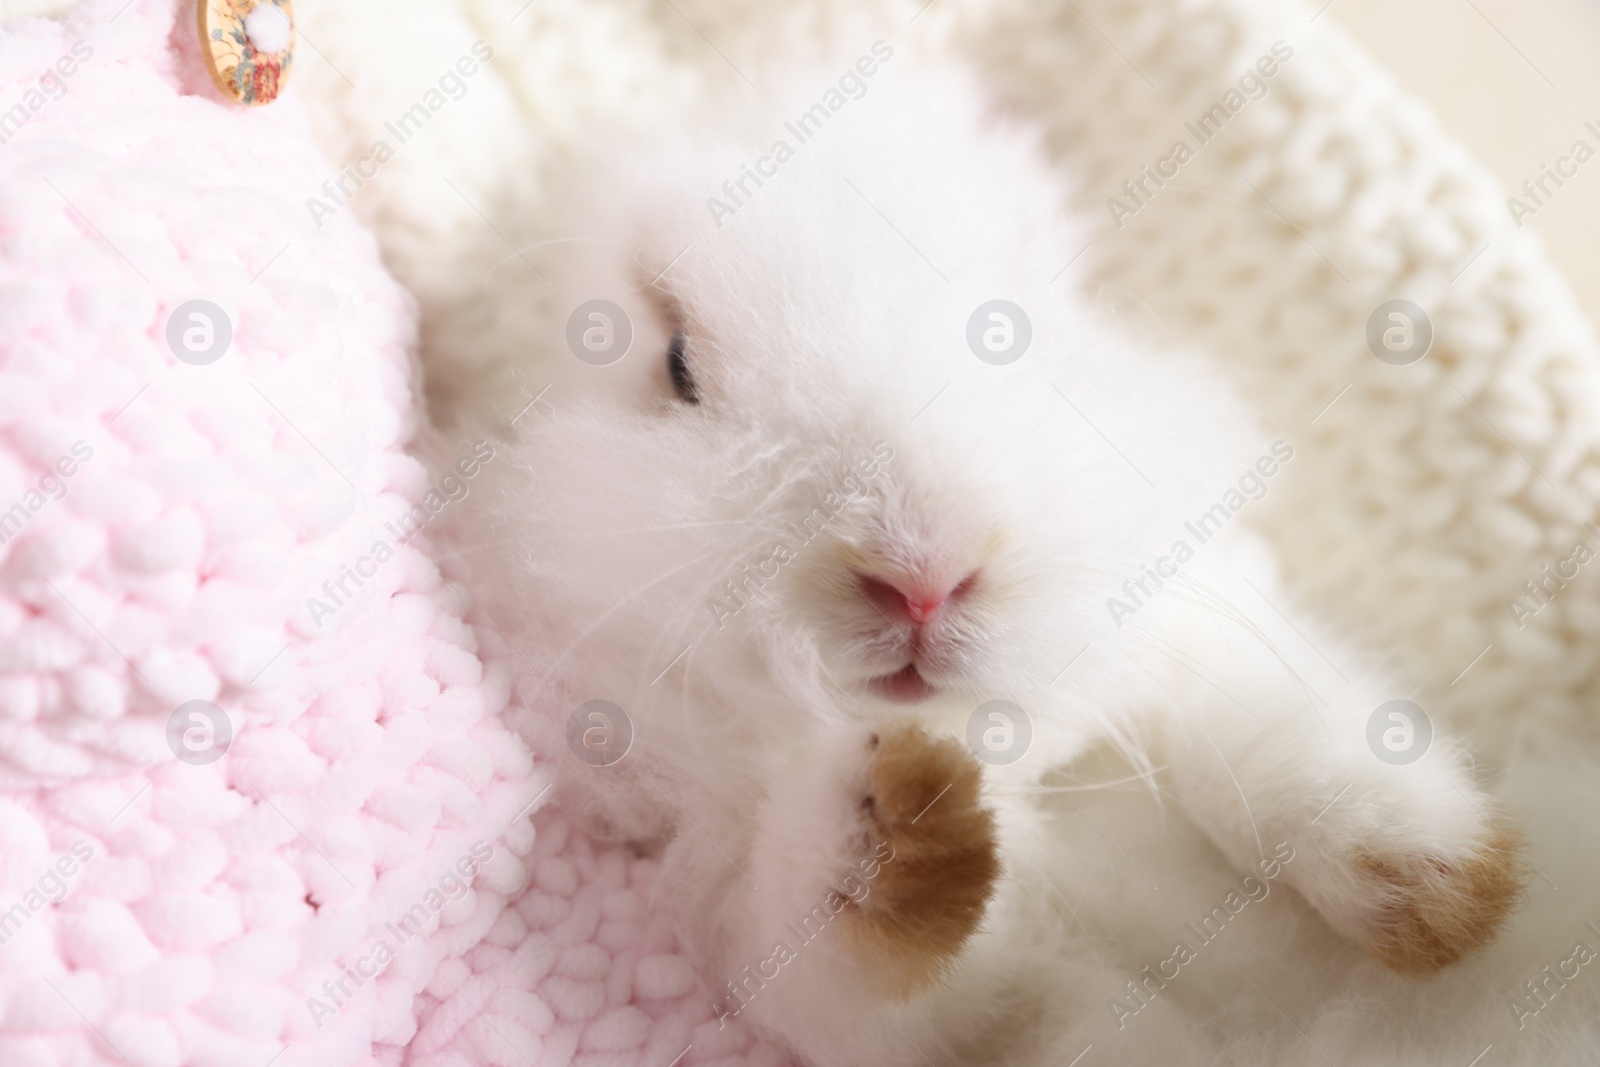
(1434, 509)
(1429, 493)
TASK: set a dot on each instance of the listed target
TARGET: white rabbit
(810, 505)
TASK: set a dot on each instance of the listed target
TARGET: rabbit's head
(825, 420)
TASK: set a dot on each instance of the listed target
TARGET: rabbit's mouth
(905, 686)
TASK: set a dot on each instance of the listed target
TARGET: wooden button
(248, 46)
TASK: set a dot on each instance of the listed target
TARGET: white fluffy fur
(1174, 752)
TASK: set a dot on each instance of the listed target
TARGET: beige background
(1462, 58)
(1513, 80)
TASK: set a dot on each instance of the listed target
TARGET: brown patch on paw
(1432, 913)
(931, 890)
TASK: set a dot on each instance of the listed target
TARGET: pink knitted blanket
(264, 795)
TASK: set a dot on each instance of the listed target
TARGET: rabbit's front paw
(937, 855)
(1424, 912)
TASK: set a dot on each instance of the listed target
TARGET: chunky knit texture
(1430, 493)
(373, 752)
(374, 758)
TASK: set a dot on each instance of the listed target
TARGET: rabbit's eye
(678, 370)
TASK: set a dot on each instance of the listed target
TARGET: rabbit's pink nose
(917, 600)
